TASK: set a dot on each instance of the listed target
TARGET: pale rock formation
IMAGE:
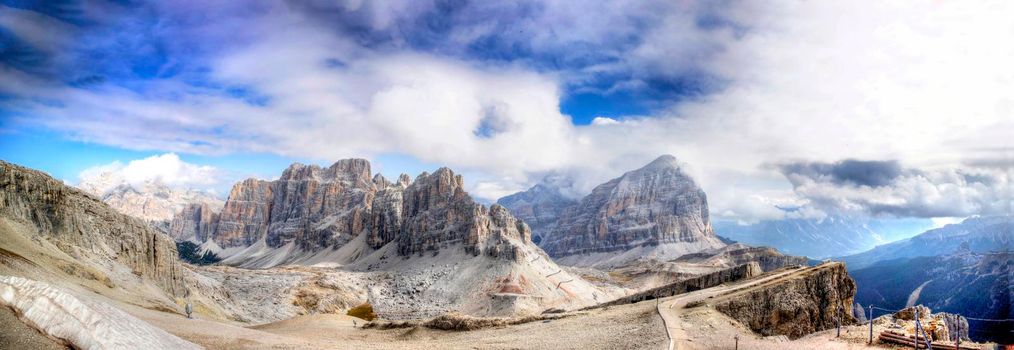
(152, 201)
(439, 212)
(86, 228)
(654, 206)
(539, 207)
(795, 307)
(244, 219)
(196, 222)
(311, 210)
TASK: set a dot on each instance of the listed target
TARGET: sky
(778, 109)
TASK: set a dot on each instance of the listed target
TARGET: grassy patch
(364, 311)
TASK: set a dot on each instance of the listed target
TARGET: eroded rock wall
(84, 227)
(795, 306)
(738, 273)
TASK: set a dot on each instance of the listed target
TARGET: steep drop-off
(796, 305)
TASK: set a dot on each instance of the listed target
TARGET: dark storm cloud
(888, 188)
(873, 173)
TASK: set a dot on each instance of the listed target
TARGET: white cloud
(926, 83)
(166, 168)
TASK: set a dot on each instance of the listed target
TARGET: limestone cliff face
(384, 221)
(318, 208)
(437, 212)
(654, 205)
(196, 222)
(244, 219)
(85, 227)
(795, 306)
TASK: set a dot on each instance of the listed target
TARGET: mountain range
(150, 200)
(832, 235)
(963, 268)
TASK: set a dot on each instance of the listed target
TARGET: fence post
(737, 341)
(837, 322)
(957, 337)
(871, 324)
(915, 337)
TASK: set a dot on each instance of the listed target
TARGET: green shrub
(190, 252)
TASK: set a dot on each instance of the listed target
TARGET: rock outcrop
(939, 326)
(244, 219)
(437, 212)
(797, 305)
(86, 228)
(738, 273)
(539, 207)
(769, 259)
(313, 209)
(196, 222)
(657, 205)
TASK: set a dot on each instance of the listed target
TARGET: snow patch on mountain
(83, 323)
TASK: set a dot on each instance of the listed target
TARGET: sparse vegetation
(458, 322)
(190, 252)
(364, 311)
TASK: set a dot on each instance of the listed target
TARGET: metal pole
(837, 322)
(915, 337)
(871, 324)
(737, 341)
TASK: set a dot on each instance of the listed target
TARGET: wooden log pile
(906, 340)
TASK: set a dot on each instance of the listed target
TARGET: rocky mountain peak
(663, 162)
(380, 181)
(656, 209)
(309, 209)
(348, 170)
(404, 180)
(539, 206)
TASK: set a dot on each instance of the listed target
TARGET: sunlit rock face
(657, 205)
(84, 227)
(244, 219)
(196, 223)
(314, 209)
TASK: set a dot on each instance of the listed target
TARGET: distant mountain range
(978, 235)
(834, 235)
(960, 268)
(151, 200)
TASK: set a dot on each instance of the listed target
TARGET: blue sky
(508, 92)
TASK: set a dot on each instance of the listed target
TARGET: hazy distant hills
(961, 268)
(833, 235)
(979, 235)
